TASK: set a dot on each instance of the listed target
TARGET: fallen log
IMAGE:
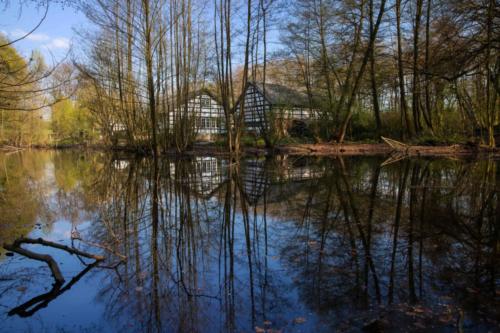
(396, 145)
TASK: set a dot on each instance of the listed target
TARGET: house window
(206, 123)
(205, 102)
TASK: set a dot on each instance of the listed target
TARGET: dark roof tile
(277, 94)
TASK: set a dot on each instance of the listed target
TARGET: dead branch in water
(54, 268)
(30, 307)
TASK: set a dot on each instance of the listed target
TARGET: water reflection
(202, 244)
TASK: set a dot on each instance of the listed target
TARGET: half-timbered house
(265, 104)
(206, 113)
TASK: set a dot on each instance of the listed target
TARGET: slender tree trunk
(325, 67)
(402, 94)
(130, 91)
(355, 88)
(376, 107)
(416, 82)
(148, 55)
(490, 109)
(241, 116)
(428, 110)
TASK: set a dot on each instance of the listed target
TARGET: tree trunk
(148, 55)
(376, 107)
(354, 90)
(402, 94)
(416, 83)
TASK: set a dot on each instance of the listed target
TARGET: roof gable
(204, 91)
(277, 94)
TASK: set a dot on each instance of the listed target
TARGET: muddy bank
(326, 149)
(354, 149)
(350, 149)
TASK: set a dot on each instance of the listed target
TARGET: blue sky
(53, 38)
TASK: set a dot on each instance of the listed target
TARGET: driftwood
(396, 145)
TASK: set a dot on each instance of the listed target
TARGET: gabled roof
(204, 91)
(277, 94)
(196, 93)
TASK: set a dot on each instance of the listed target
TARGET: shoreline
(321, 150)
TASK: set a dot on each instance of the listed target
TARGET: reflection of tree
(22, 193)
(365, 235)
(441, 217)
(198, 260)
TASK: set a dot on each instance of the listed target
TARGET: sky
(53, 38)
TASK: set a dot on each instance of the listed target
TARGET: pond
(283, 244)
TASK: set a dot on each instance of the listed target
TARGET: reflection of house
(274, 103)
(204, 111)
(210, 174)
(258, 178)
(204, 175)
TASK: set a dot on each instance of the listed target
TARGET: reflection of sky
(77, 309)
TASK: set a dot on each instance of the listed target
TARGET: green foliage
(71, 124)
(260, 143)
(429, 139)
(20, 123)
(248, 140)
(252, 141)
(362, 126)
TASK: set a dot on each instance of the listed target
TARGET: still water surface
(285, 244)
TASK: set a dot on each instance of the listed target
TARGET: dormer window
(205, 102)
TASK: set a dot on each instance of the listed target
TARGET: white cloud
(34, 37)
(37, 40)
(38, 37)
(58, 43)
